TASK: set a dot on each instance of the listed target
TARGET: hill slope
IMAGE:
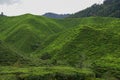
(56, 16)
(27, 32)
(92, 43)
(110, 8)
(74, 24)
(9, 56)
(87, 45)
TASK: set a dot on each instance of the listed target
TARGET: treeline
(109, 8)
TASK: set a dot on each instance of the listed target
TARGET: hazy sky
(38, 7)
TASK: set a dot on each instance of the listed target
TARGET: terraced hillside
(9, 56)
(90, 44)
(22, 32)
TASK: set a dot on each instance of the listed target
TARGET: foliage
(28, 42)
(45, 73)
(110, 8)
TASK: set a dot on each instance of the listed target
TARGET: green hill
(91, 43)
(75, 24)
(9, 56)
(85, 44)
(109, 8)
(27, 32)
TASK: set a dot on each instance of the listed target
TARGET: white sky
(38, 7)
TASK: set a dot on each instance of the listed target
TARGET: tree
(2, 14)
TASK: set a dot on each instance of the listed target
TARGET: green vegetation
(39, 48)
(45, 73)
(110, 8)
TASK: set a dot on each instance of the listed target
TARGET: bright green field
(39, 48)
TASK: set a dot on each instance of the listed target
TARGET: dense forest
(109, 8)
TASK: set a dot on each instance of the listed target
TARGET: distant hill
(54, 15)
(109, 8)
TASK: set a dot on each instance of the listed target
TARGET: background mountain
(54, 15)
(109, 8)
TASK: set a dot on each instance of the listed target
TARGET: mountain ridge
(109, 8)
(56, 16)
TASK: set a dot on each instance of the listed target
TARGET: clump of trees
(2, 14)
(110, 8)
